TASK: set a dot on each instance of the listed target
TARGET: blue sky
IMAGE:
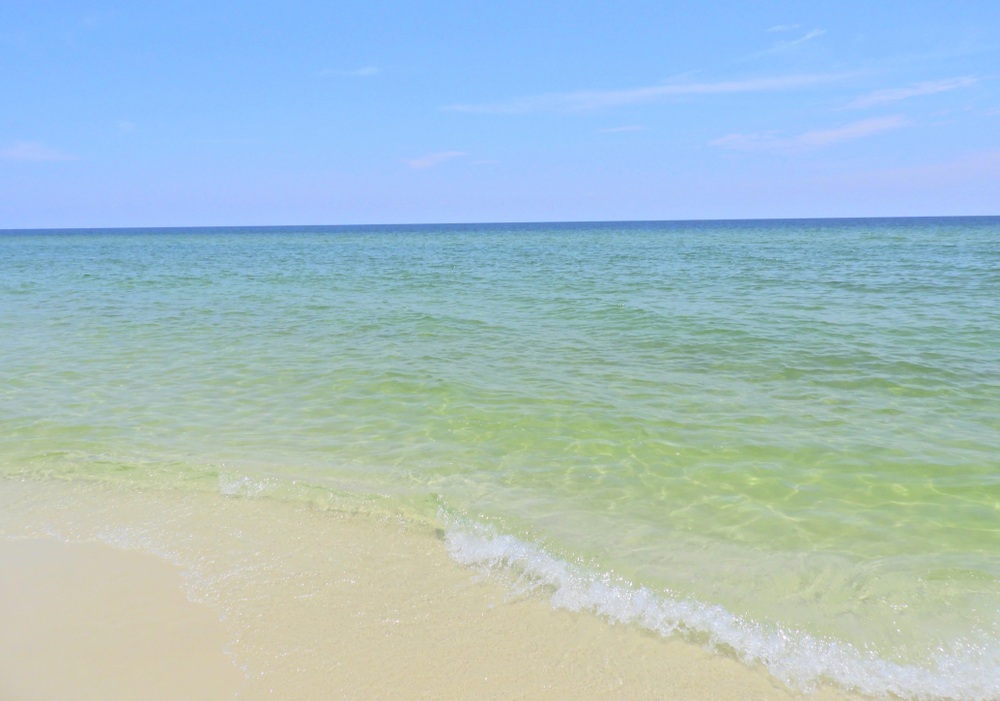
(242, 113)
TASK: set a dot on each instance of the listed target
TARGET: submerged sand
(286, 600)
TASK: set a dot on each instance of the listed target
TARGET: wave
(961, 671)
(964, 672)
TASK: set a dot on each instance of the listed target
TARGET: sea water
(780, 439)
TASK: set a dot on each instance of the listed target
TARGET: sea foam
(803, 661)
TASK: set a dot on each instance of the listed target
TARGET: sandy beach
(289, 601)
(90, 622)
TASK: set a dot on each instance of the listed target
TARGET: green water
(793, 424)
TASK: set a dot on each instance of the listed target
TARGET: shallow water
(779, 438)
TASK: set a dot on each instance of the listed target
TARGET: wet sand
(317, 604)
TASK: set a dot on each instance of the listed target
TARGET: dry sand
(89, 622)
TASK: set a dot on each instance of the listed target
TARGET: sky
(120, 114)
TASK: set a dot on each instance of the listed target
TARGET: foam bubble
(963, 672)
(234, 484)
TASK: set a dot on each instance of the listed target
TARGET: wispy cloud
(771, 141)
(801, 40)
(32, 151)
(596, 99)
(432, 159)
(784, 46)
(614, 130)
(784, 27)
(928, 87)
(357, 73)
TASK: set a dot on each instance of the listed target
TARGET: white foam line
(801, 660)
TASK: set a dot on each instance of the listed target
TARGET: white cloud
(432, 159)
(633, 127)
(31, 151)
(929, 87)
(595, 99)
(770, 141)
(784, 28)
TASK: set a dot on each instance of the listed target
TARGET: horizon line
(231, 227)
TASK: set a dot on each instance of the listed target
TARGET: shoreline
(320, 603)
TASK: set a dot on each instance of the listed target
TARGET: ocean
(778, 439)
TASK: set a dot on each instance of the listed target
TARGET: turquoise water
(781, 438)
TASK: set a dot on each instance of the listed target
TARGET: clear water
(781, 438)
